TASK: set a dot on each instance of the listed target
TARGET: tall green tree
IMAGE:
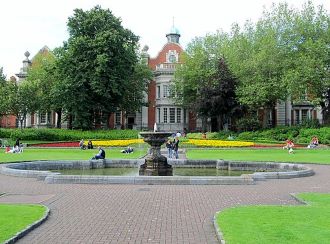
(284, 55)
(308, 61)
(3, 94)
(97, 65)
(218, 100)
(2, 75)
(21, 100)
(199, 66)
(205, 82)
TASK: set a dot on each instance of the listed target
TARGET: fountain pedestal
(155, 163)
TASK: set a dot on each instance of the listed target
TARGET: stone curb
(218, 230)
(150, 180)
(39, 170)
(294, 195)
(29, 228)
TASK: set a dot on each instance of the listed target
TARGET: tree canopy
(206, 84)
(284, 55)
(3, 100)
(98, 66)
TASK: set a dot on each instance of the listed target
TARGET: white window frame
(43, 118)
(172, 115)
(178, 115)
(165, 115)
(118, 118)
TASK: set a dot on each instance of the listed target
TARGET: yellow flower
(117, 143)
(218, 143)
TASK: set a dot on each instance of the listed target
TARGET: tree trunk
(265, 117)
(59, 119)
(220, 122)
(204, 124)
(325, 105)
(70, 121)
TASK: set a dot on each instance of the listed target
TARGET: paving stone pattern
(146, 213)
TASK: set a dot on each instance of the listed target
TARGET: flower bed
(218, 143)
(57, 144)
(105, 143)
(116, 143)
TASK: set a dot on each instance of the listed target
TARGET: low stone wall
(151, 180)
(278, 170)
(40, 170)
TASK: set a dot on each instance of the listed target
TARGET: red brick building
(161, 109)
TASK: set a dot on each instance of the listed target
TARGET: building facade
(35, 120)
(160, 107)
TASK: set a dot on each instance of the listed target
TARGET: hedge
(278, 134)
(66, 135)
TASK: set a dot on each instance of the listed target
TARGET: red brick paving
(148, 214)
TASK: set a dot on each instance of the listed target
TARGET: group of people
(17, 148)
(173, 148)
(101, 151)
(289, 144)
(83, 146)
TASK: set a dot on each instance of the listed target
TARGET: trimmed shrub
(248, 136)
(311, 123)
(198, 135)
(323, 134)
(66, 135)
(248, 124)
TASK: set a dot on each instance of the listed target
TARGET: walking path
(145, 214)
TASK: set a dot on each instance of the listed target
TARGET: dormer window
(172, 56)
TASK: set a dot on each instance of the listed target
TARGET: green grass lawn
(66, 154)
(15, 218)
(278, 154)
(278, 224)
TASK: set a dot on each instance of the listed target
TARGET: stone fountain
(155, 163)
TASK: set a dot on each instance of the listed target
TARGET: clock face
(172, 58)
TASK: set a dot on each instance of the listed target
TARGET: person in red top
(289, 145)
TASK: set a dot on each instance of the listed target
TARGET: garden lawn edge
(29, 228)
(217, 227)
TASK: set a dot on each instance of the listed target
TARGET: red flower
(58, 144)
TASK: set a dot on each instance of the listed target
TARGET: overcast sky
(30, 25)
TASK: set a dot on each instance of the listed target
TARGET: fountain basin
(155, 163)
(40, 170)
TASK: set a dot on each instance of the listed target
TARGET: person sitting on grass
(314, 142)
(100, 155)
(128, 150)
(89, 144)
(81, 144)
(16, 149)
(289, 145)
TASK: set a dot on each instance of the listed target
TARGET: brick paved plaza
(145, 213)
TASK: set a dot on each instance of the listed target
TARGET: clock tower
(174, 35)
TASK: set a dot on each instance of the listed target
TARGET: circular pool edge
(39, 170)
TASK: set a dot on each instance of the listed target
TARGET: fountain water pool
(155, 166)
(40, 170)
